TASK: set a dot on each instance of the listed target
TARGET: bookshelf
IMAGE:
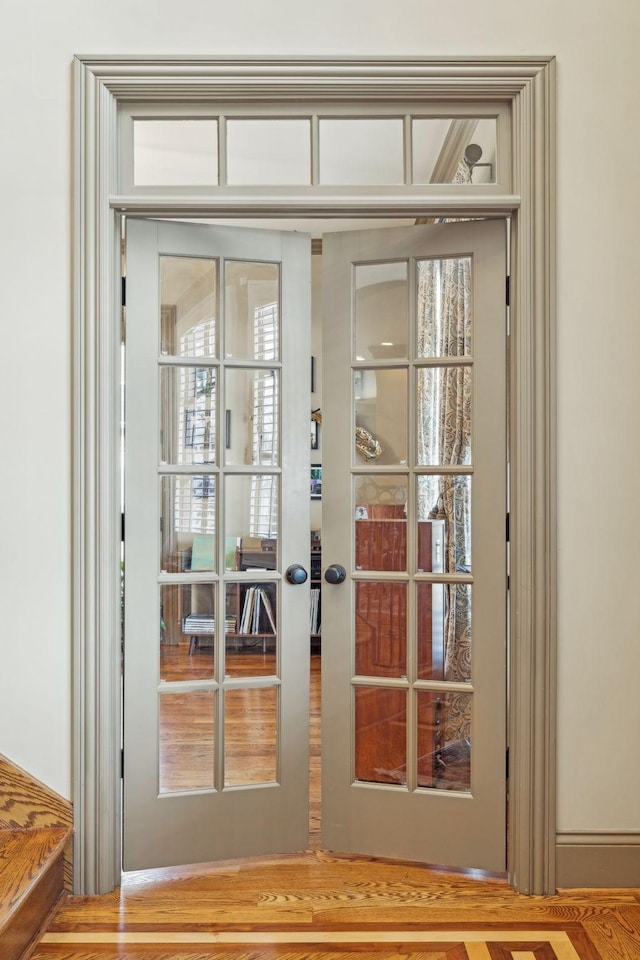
(250, 607)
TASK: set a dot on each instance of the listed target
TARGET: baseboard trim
(606, 859)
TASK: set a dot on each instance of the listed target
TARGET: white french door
(414, 491)
(216, 663)
(217, 510)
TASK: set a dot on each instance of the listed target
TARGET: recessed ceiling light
(386, 343)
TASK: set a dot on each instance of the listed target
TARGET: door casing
(528, 86)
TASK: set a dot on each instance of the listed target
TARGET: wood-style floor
(318, 906)
(182, 767)
(322, 906)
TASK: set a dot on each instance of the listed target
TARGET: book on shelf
(257, 612)
(247, 610)
(231, 547)
(203, 551)
(198, 623)
(314, 624)
(266, 602)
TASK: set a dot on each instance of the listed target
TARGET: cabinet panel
(381, 641)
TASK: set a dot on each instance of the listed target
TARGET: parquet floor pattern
(322, 907)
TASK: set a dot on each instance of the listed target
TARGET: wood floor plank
(611, 939)
(599, 925)
(322, 891)
(397, 944)
(583, 944)
(629, 917)
(445, 951)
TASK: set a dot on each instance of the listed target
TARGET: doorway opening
(523, 87)
(381, 510)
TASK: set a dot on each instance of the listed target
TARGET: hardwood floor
(321, 906)
(183, 763)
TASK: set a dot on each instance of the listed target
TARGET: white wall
(598, 335)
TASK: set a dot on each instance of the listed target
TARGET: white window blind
(195, 500)
(263, 508)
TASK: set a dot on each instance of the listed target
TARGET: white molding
(527, 85)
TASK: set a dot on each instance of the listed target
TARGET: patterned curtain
(444, 438)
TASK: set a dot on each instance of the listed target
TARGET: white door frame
(527, 85)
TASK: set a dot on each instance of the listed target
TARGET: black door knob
(335, 573)
(296, 573)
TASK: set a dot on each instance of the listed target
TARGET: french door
(217, 511)
(414, 637)
(216, 666)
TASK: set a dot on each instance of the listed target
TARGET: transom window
(205, 151)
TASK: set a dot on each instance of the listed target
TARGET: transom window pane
(428, 137)
(273, 152)
(175, 152)
(361, 151)
(440, 144)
